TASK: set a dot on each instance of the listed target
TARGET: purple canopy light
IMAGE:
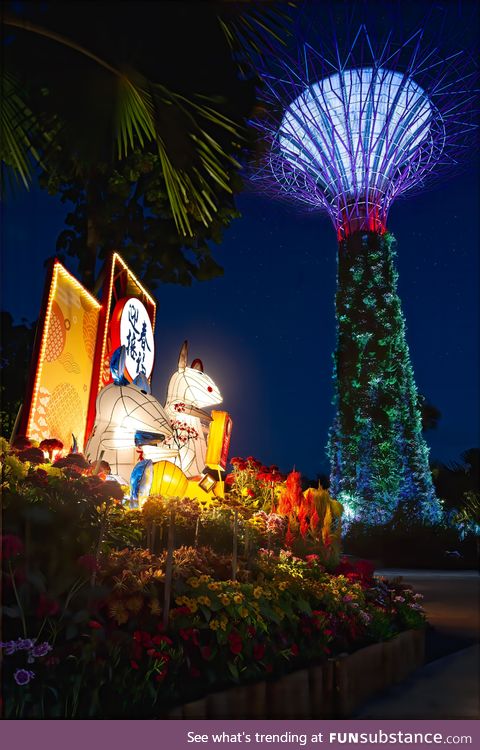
(347, 134)
(350, 134)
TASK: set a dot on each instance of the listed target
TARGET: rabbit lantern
(127, 418)
(190, 391)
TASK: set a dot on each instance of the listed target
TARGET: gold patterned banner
(61, 387)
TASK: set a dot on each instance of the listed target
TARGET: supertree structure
(347, 133)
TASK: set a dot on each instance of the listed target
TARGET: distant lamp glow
(168, 480)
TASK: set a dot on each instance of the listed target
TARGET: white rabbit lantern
(126, 415)
(189, 392)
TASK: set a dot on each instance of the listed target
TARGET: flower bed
(92, 629)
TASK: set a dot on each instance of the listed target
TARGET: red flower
(88, 562)
(33, 455)
(294, 649)
(161, 675)
(39, 478)
(250, 493)
(206, 652)
(258, 651)
(180, 611)
(143, 638)
(134, 664)
(21, 442)
(158, 639)
(11, 546)
(251, 630)
(94, 625)
(47, 607)
(289, 538)
(235, 642)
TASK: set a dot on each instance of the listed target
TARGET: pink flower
(11, 547)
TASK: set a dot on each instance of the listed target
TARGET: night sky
(266, 329)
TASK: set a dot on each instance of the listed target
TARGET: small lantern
(168, 480)
(210, 478)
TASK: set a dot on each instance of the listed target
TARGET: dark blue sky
(266, 329)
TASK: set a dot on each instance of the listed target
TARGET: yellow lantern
(219, 440)
(168, 480)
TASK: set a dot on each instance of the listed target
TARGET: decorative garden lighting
(168, 480)
(348, 133)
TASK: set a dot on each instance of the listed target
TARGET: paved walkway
(447, 688)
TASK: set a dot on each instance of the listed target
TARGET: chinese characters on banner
(131, 327)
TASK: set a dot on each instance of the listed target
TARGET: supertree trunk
(378, 456)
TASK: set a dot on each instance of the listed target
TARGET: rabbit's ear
(197, 364)
(182, 358)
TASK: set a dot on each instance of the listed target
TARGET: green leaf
(232, 668)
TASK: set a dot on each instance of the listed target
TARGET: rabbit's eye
(209, 389)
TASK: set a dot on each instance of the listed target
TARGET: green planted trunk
(379, 459)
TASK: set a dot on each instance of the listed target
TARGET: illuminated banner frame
(119, 282)
(58, 324)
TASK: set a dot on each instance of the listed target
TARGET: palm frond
(191, 190)
(135, 115)
(19, 130)
(252, 28)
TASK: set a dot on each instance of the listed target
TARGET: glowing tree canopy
(347, 134)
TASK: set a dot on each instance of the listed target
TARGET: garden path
(448, 687)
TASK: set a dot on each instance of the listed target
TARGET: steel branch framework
(349, 134)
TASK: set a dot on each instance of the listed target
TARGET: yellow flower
(224, 598)
(257, 592)
(155, 607)
(214, 586)
(134, 604)
(238, 598)
(223, 623)
(204, 600)
(282, 585)
(194, 583)
(243, 612)
(118, 612)
(214, 625)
